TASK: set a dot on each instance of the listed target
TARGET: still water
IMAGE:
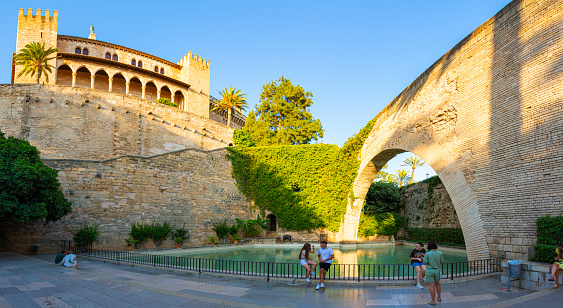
(392, 254)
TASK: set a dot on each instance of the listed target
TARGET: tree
(231, 99)
(34, 59)
(29, 190)
(413, 162)
(401, 176)
(283, 116)
(382, 197)
(243, 138)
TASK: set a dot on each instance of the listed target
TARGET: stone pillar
(110, 80)
(158, 94)
(143, 88)
(172, 98)
(127, 88)
(92, 81)
(73, 79)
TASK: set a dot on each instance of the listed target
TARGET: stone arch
(151, 91)
(83, 77)
(179, 99)
(101, 80)
(64, 75)
(118, 83)
(135, 87)
(165, 92)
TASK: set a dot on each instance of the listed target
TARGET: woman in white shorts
(306, 261)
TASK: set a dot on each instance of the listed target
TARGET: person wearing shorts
(417, 256)
(306, 261)
(433, 259)
(325, 261)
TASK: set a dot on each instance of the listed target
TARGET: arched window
(162, 71)
(114, 58)
(133, 62)
(77, 50)
(140, 64)
(85, 51)
(108, 55)
(156, 69)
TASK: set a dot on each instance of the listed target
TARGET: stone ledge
(533, 276)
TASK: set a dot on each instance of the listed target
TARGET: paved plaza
(34, 281)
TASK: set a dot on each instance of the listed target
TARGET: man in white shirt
(325, 261)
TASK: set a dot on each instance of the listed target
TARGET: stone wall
(422, 210)
(188, 187)
(487, 118)
(77, 123)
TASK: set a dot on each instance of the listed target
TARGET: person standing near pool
(325, 261)
(305, 260)
(417, 256)
(433, 259)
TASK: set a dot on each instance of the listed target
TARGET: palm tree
(231, 99)
(413, 162)
(34, 59)
(401, 176)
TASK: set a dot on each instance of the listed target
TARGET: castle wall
(190, 187)
(422, 210)
(77, 123)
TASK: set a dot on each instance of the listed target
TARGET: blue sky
(355, 56)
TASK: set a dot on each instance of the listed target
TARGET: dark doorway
(272, 223)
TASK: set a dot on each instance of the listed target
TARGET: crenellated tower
(195, 72)
(36, 28)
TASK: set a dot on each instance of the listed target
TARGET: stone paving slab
(101, 284)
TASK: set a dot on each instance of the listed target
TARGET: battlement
(37, 14)
(192, 56)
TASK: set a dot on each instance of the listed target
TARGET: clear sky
(354, 56)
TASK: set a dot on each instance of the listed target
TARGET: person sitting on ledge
(69, 261)
(60, 256)
(557, 266)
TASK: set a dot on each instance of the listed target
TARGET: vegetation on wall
(549, 233)
(166, 101)
(447, 236)
(305, 186)
(380, 213)
(29, 190)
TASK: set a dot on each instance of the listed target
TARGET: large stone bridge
(488, 117)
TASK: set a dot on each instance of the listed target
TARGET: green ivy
(380, 223)
(544, 253)
(305, 186)
(166, 101)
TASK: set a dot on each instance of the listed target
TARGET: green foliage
(305, 186)
(222, 229)
(380, 223)
(550, 230)
(544, 253)
(251, 227)
(34, 59)
(212, 240)
(29, 190)
(180, 235)
(86, 235)
(243, 138)
(159, 232)
(166, 101)
(438, 235)
(382, 197)
(231, 99)
(283, 117)
(130, 241)
(549, 233)
(140, 232)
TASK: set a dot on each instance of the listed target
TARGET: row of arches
(117, 83)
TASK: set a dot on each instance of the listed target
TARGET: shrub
(243, 138)
(544, 253)
(140, 232)
(380, 223)
(382, 197)
(159, 232)
(86, 235)
(438, 235)
(180, 235)
(166, 101)
(550, 230)
(251, 227)
(222, 229)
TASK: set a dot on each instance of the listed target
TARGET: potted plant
(180, 236)
(140, 233)
(222, 229)
(130, 243)
(236, 238)
(212, 240)
(159, 232)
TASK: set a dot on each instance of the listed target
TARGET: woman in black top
(417, 256)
